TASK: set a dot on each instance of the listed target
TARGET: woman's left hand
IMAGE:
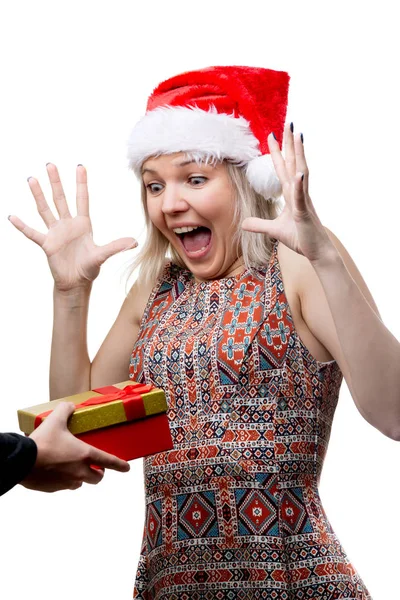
(298, 226)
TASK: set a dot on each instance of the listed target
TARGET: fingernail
(8, 217)
(274, 135)
(80, 165)
(30, 177)
(302, 177)
(302, 138)
(47, 164)
(291, 127)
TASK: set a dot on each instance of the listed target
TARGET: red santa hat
(216, 113)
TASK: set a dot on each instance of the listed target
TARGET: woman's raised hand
(73, 257)
(298, 226)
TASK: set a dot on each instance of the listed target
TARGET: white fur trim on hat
(170, 129)
(207, 134)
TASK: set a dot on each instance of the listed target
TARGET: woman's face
(193, 207)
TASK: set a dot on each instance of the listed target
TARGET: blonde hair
(255, 248)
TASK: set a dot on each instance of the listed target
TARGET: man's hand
(64, 462)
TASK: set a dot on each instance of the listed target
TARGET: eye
(197, 180)
(154, 188)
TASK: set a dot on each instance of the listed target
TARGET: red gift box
(128, 420)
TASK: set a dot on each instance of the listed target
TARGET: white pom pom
(262, 177)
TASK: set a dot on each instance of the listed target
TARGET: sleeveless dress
(233, 512)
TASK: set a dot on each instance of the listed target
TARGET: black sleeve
(17, 457)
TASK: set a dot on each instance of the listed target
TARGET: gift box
(127, 419)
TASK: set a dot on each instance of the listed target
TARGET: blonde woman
(248, 314)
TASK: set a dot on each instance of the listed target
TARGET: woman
(248, 329)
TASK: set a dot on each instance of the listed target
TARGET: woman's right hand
(73, 257)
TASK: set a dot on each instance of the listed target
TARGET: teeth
(185, 229)
(198, 251)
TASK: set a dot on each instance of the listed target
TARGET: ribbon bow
(131, 396)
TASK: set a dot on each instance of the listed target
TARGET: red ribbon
(131, 396)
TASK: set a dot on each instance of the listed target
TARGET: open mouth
(195, 242)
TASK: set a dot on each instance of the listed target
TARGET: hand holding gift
(63, 461)
(128, 420)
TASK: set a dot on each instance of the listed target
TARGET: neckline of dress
(221, 280)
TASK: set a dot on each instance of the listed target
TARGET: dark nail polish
(8, 217)
(30, 177)
(291, 127)
(80, 165)
(47, 164)
(274, 135)
(302, 138)
(302, 177)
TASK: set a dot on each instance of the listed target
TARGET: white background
(75, 78)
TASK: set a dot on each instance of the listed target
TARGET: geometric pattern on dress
(233, 510)
(257, 515)
(153, 525)
(197, 517)
(294, 518)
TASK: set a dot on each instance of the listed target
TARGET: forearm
(371, 352)
(69, 363)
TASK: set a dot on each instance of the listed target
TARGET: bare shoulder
(308, 303)
(308, 278)
(298, 278)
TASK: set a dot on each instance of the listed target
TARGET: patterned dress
(233, 511)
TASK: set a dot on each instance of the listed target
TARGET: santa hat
(216, 113)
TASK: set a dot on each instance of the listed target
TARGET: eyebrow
(182, 164)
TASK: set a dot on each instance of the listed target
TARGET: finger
(256, 225)
(93, 476)
(290, 157)
(28, 232)
(104, 252)
(62, 412)
(277, 159)
(96, 467)
(74, 485)
(300, 201)
(107, 461)
(58, 192)
(301, 163)
(57, 420)
(82, 192)
(41, 204)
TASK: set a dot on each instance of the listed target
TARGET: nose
(174, 200)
